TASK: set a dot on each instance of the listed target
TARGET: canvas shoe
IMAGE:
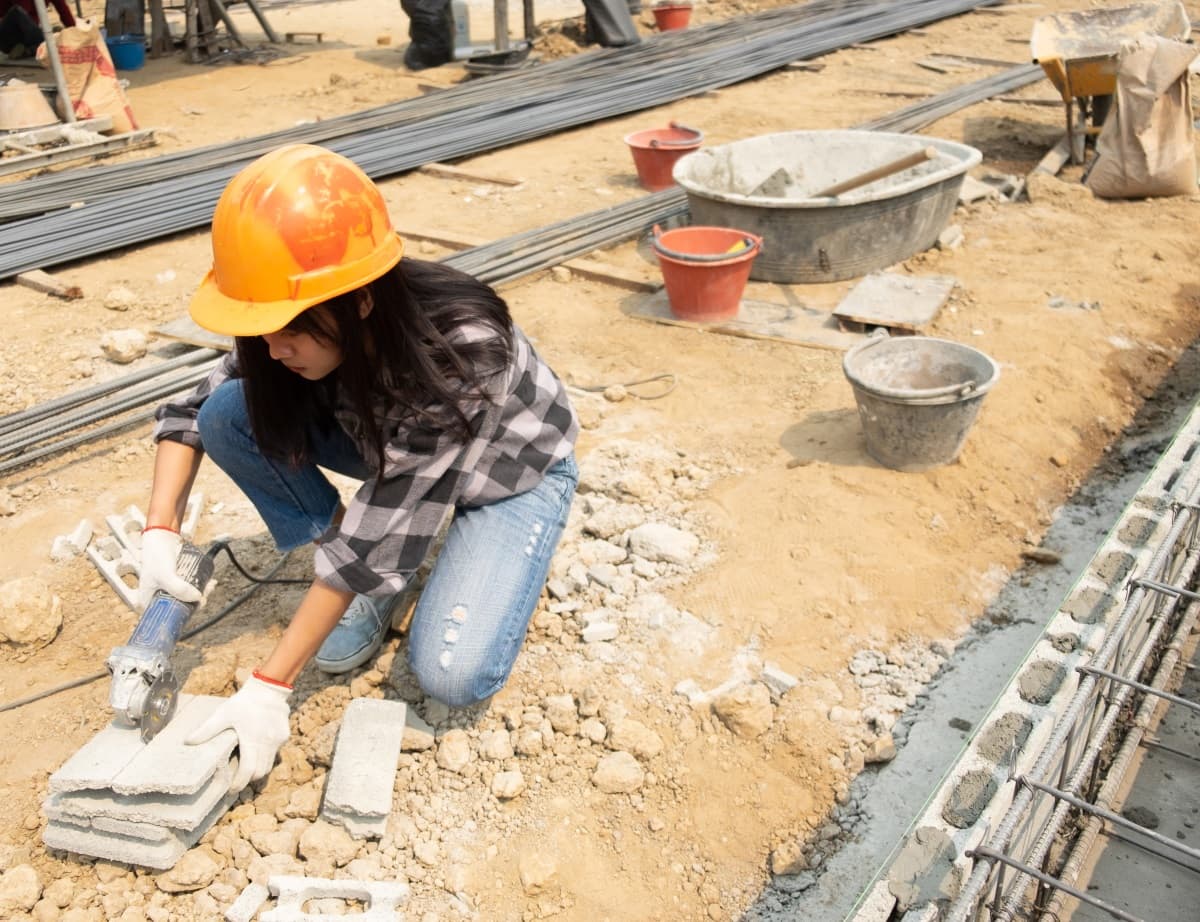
(358, 634)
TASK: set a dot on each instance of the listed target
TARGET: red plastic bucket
(655, 151)
(669, 16)
(705, 269)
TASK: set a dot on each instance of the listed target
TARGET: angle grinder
(145, 689)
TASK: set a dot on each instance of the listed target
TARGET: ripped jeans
(475, 608)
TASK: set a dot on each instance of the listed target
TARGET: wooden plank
(889, 299)
(48, 284)
(810, 66)
(446, 171)
(1056, 158)
(612, 275)
(794, 325)
(451, 239)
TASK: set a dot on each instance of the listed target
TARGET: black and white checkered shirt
(525, 427)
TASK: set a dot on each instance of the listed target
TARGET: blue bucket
(128, 52)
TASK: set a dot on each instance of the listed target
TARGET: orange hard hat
(298, 226)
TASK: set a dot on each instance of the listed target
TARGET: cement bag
(1145, 147)
(90, 76)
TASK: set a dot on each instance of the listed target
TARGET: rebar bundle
(130, 204)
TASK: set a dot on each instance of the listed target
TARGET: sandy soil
(812, 552)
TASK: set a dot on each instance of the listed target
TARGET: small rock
(120, 299)
(29, 612)
(951, 238)
(560, 274)
(454, 751)
(537, 872)
(418, 735)
(194, 871)
(880, 749)
(20, 889)
(660, 542)
(507, 785)
(618, 773)
(746, 710)
(123, 346)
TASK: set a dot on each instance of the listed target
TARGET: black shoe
(418, 58)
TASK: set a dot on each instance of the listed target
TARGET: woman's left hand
(258, 714)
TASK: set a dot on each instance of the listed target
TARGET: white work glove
(160, 558)
(258, 714)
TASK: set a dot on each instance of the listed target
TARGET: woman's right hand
(160, 558)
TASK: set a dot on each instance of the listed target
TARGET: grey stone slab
(359, 825)
(116, 759)
(382, 898)
(123, 849)
(890, 299)
(184, 812)
(363, 774)
(113, 846)
(147, 831)
(248, 903)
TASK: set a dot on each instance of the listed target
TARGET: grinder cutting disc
(160, 705)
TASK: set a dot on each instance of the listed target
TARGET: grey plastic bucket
(917, 397)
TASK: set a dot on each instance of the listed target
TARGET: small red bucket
(705, 269)
(670, 16)
(656, 150)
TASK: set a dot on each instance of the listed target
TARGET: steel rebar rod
(1105, 814)
(22, 418)
(1140, 686)
(509, 109)
(990, 853)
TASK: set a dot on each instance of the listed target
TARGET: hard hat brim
(217, 312)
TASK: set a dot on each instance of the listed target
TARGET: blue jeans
(475, 608)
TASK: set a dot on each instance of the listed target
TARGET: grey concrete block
(382, 898)
(248, 903)
(116, 759)
(147, 831)
(360, 826)
(123, 849)
(183, 812)
(114, 846)
(363, 774)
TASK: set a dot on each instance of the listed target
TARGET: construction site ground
(810, 552)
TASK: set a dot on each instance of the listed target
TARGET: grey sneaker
(357, 635)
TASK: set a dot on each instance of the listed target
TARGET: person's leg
(473, 613)
(19, 31)
(296, 503)
(431, 31)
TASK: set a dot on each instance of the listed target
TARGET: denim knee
(457, 687)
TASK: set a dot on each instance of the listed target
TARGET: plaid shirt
(525, 427)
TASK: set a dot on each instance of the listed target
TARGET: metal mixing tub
(767, 185)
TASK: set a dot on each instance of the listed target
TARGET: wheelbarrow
(1079, 51)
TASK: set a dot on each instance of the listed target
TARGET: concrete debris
(248, 903)
(382, 898)
(66, 547)
(120, 298)
(30, 614)
(141, 803)
(358, 794)
(951, 238)
(123, 346)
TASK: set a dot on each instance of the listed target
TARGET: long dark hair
(399, 352)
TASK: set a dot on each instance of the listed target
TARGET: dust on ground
(809, 556)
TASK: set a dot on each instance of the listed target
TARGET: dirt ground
(810, 553)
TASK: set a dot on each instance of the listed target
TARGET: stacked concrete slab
(142, 803)
(358, 793)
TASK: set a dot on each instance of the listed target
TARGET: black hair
(399, 352)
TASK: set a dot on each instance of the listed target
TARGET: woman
(406, 375)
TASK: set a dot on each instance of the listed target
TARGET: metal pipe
(60, 80)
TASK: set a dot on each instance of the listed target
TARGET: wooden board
(783, 323)
(888, 299)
